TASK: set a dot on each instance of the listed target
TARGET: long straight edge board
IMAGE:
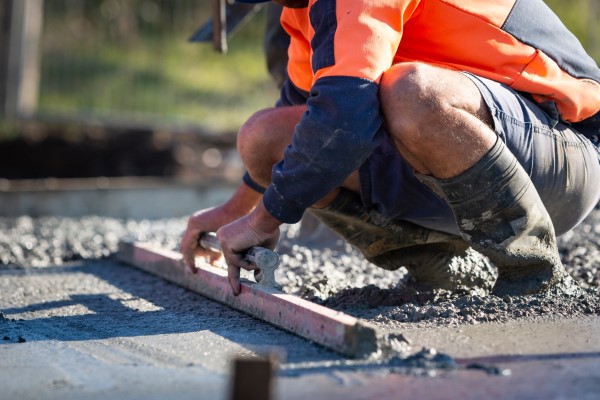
(334, 330)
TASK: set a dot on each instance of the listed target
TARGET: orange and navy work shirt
(340, 49)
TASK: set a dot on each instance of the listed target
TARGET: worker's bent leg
(500, 213)
(442, 125)
(388, 244)
(562, 164)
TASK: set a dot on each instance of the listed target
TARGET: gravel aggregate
(319, 266)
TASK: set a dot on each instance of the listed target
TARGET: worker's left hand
(259, 228)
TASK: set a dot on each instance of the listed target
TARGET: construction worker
(419, 128)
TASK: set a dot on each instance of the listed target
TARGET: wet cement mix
(319, 266)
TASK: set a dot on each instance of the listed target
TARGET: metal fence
(132, 59)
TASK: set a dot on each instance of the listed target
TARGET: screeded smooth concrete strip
(332, 329)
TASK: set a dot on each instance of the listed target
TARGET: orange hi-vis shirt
(340, 49)
(526, 47)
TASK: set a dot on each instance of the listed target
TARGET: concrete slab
(101, 330)
(128, 197)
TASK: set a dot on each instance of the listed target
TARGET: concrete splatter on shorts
(562, 163)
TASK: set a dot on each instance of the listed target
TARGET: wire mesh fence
(130, 60)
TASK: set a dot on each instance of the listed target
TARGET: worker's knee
(254, 144)
(263, 138)
(252, 136)
(411, 99)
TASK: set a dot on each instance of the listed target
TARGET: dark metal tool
(266, 260)
(228, 18)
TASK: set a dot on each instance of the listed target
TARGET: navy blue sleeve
(340, 129)
(291, 95)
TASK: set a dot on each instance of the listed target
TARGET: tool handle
(209, 241)
(262, 257)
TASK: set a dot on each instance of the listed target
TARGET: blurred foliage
(581, 17)
(130, 59)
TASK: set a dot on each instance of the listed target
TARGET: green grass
(160, 78)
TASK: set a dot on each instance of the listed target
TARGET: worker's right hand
(207, 220)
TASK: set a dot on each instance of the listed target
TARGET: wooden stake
(252, 379)
(332, 329)
(220, 26)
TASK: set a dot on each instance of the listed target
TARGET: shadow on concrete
(509, 358)
(106, 299)
(169, 309)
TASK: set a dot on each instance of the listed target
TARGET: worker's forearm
(263, 221)
(327, 146)
(242, 202)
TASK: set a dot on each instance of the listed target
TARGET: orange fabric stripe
(576, 99)
(501, 57)
(367, 37)
(458, 45)
(296, 24)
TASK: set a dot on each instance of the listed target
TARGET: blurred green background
(131, 60)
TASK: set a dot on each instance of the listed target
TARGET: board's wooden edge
(335, 330)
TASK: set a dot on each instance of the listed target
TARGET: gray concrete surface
(75, 324)
(99, 329)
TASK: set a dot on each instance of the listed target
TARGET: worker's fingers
(189, 246)
(236, 238)
(233, 275)
(190, 249)
(212, 257)
(207, 220)
(236, 262)
(215, 259)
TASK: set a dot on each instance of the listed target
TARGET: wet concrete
(531, 339)
(76, 324)
(99, 329)
(107, 330)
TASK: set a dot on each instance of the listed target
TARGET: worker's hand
(208, 220)
(259, 228)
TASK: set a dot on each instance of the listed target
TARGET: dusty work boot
(500, 213)
(434, 259)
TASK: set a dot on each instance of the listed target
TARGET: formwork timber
(337, 331)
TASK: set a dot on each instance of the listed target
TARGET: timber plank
(335, 330)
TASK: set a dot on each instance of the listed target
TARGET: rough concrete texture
(320, 267)
(98, 329)
(75, 324)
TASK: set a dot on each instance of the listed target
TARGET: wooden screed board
(332, 329)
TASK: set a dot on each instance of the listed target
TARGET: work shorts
(563, 165)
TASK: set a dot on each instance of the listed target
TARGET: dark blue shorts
(562, 163)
